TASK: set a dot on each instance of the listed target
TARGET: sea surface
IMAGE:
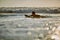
(17, 27)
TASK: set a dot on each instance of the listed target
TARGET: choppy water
(19, 27)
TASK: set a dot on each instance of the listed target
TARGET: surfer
(34, 15)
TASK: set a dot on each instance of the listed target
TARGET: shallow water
(19, 27)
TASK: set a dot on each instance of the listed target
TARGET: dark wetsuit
(35, 15)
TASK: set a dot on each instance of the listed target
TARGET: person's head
(33, 13)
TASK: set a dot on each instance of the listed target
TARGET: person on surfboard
(34, 15)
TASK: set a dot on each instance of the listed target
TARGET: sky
(29, 3)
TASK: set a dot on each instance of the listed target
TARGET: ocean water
(19, 27)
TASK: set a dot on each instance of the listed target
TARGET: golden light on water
(53, 28)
